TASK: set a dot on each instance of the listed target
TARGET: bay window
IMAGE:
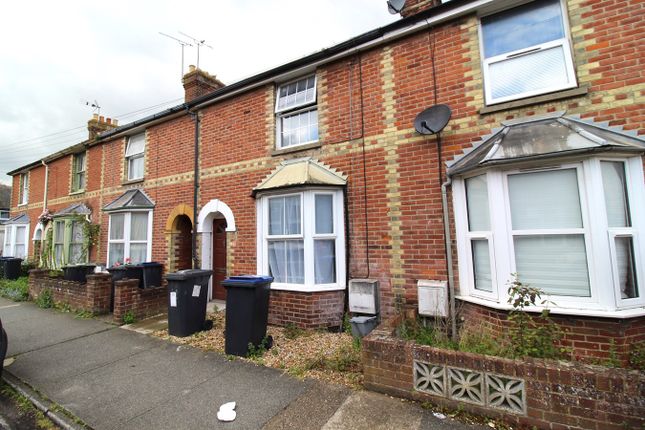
(129, 237)
(16, 239)
(301, 239)
(572, 230)
(68, 239)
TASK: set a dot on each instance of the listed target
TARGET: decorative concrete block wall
(529, 393)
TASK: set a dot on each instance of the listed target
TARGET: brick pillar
(36, 278)
(124, 292)
(98, 290)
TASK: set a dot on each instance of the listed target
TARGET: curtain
(557, 264)
(76, 245)
(325, 261)
(292, 215)
(613, 181)
(324, 214)
(481, 265)
(287, 261)
(116, 226)
(139, 226)
(116, 253)
(19, 250)
(545, 200)
(477, 202)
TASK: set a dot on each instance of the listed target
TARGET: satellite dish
(433, 119)
(395, 6)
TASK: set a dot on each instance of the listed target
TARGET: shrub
(16, 290)
(637, 356)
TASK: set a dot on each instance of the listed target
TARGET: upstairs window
(78, 172)
(23, 191)
(134, 156)
(297, 113)
(526, 52)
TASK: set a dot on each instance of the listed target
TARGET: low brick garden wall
(94, 296)
(142, 302)
(530, 393)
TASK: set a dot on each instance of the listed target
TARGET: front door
(219, 258)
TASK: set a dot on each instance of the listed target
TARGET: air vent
(363, 296)
(433, 298)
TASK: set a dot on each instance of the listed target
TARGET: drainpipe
(448, 244)
(196, 264)
(46, 184)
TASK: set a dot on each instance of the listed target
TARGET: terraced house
(313, 172)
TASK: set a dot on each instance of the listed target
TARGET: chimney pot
(101, 118)
(95, 116)
(191, 68)
(108, 120)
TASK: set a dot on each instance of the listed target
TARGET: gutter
(46, 185)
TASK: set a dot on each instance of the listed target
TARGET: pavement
(93, 373)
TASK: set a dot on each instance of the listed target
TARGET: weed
(256, 352)
(347, 326)
(129, 317)
(424, 334)
(81, 315)
(292, 331)
(16, 290)
(346, 359)
(637, 356)
(475, 339)
(45, 299)
(530, 336)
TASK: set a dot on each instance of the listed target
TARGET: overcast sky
(57, 55)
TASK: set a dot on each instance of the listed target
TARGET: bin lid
(188, 274)
(361, 319)
(247, 280)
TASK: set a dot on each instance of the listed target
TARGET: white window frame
(23, 191)
(604, 297)
(77, 174)
(135, 156)
(283, 113)
(126, 241)
(10, 237)
(564, 42)
(308, 234)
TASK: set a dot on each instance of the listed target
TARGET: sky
(58, 56)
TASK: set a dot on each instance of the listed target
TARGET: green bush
(16, 290)
(26, 266)
(637, 356)
(45, 299)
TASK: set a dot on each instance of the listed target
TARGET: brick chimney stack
(412, 7)
(198, 82)
(100, 124)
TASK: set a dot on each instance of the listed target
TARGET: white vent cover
(433, 298)
(363, 296)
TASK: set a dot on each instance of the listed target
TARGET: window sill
(297, 148)
(22, 205)
(574, 92)
(74, 193)
(306, 288)
(618, 314)
(132, 181)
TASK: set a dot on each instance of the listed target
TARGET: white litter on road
(439, 415)
(227, 412)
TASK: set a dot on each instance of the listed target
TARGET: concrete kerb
(50, 409)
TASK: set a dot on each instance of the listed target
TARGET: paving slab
(259, 392)
(30, 328)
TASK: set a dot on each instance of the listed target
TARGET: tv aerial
(94, 105)
(197, 42)
(183, 45)
(432, 120)
(395, 6)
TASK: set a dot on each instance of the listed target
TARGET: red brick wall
(94, 296)
(559, 395)
(142, 302)
(590, 339)
(306, 310)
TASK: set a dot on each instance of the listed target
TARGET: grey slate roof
(131, 199)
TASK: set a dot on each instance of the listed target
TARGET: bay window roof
(75, 209)
(131, 199)
(301, 172)
(18, 219)
(554, 135)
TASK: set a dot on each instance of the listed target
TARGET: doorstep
(148, 325)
